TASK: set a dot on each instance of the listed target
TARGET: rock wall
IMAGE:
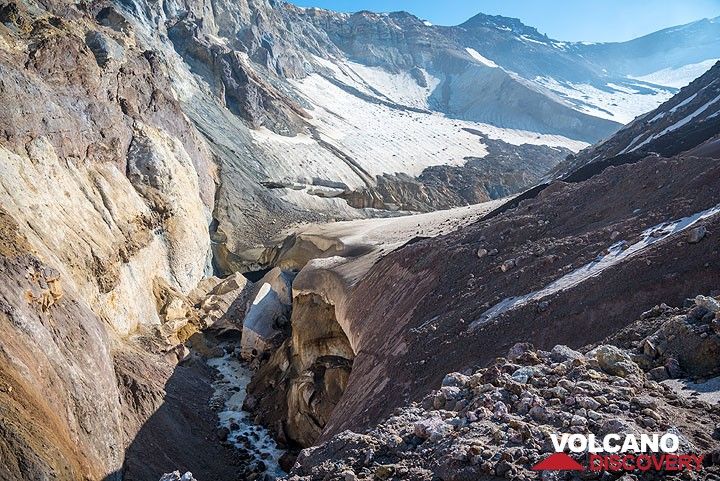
(297, 389)
(421, 308)
(59, 407)
(453, 302)
(106, 189)
(119, 183)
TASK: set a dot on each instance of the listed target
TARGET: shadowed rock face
(58, 395)
(106, 189)
(297, 390)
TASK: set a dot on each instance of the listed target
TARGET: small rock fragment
(696, 235)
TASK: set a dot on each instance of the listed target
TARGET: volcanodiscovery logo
(616, 452)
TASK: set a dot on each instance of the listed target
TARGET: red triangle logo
(558, 462)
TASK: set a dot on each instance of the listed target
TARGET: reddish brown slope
(412, 312)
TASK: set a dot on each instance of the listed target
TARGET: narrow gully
(254, 443)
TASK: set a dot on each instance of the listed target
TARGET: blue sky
(588, 20)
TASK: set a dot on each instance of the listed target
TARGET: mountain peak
(499, 22)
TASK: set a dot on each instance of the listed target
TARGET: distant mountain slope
(289, 100)
(465, 87)
(671, 48)
(684, 122)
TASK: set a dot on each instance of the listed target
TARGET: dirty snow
(618, 252)
(408, 141)
(400, 88)
(657, 117)
(376, 237)
(683, 103)
(679, 123)
(636, 139)
(708, 391)
(622, 104)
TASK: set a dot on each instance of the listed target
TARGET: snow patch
(621, 103)
(617, 253)
(657, 117)
(679, 123)
(683, 103)
(531, 40)
(401, 88)
(680, 76)
(409, 140)
(483, 60)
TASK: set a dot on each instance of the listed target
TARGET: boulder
(709, 303)
(561, 353)
(517, 351)
(687, 342)
(203, 288)
(614, 361)
(696, 235)
(508, 264)
(455, 379)
(433, 428)
(174, 311)
(104, 48)
(226, 300)
(176, 476)
(523, 374)
(658, 374)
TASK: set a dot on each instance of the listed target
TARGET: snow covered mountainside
(568, 262)
(468, 113)
(616, 81)
(151, 151)
(294, 115)
(685, 121)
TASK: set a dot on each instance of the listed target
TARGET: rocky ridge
(508, 282)
(495, 422)
(497, 287)
(686, 120)
(259, 70)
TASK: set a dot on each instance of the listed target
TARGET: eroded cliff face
(298, 385)
(144, 144)
(58, 394)
(113, 185)
(106, 190)
(322, 357)
(540, 272)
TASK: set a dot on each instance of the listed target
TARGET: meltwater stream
(230, 390)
